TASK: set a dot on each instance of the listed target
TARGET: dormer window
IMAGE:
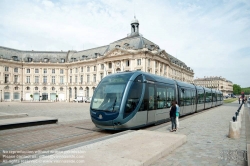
(84, 57)
(15, 58)
(46, 60)
(73, 59)
(117, 46)
(62, 60)
(126, 44)
(29, 59)
(153, 47)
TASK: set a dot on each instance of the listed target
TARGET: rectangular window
(15, 78)
(70, 79)
(28, 70)
(71, 71)
(44, 79)
(94, 68)
(94, 78)
(127, 62)
(61, 80)
(53, 79)
(76, 70)
(110, 65)
(16, 70)
(88, 69)
(81, 69)
(6, 68)
(28, 79)
(148, 62)
(36, 79)
(53, 71)
(102, 66)
(81, 79)
(138, 62)
(88, 78)
(36, 70)
(44, 71)
(61, 71)
(101, 75)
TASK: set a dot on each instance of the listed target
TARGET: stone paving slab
(7, 116)
(207, 140)
(18, 122)
(135, 148)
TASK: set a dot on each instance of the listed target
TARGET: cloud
(209, 36)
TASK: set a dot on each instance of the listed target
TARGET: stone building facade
(62, 76)
(218, 83)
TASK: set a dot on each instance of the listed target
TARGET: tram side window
(133, 96)
(192, 97)
(170, 96)
(161, 93)
(181, 92)
(144, 104)
(188, 100)
(151, 94)
(200, 97)
(214, 97)
(208, 97)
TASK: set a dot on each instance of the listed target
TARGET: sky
(211, 37)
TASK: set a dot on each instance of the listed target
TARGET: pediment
(116, 51)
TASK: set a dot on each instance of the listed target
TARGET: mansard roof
(37, 56)
(131, 42)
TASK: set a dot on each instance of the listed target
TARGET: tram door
(181, 101)
(150, 90)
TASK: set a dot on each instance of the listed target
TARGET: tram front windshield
(108, 94)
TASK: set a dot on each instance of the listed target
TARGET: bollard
(234, 131)
(234, 119)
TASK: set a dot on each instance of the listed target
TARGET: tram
(134, 99)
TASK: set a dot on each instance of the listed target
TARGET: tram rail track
(48, 137)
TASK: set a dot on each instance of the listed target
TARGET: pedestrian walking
(177, 114)
(239, 100)
(172, 115)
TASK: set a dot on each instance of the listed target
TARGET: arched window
(118, 69)
(87, 91)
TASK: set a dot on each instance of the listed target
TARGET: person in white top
(177, 114)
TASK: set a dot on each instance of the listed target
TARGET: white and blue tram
(135, 99)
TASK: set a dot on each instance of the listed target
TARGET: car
(80, 99)
(88, 100)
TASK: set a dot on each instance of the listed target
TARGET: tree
(246, 90)
(236, 89)
(31, 96)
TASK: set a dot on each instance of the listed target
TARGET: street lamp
(21, 95)
(56, 96)
(39, 96)
(1, 96)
